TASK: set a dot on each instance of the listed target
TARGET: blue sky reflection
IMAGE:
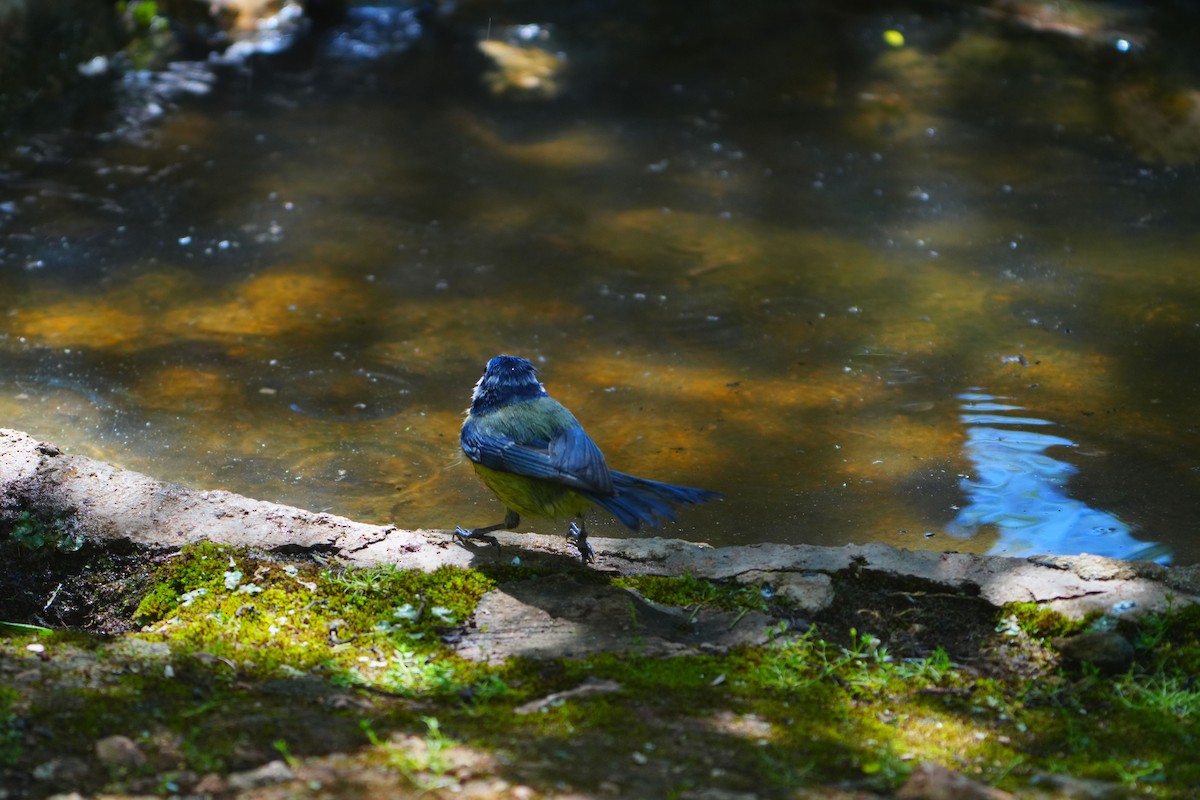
(1022, 492)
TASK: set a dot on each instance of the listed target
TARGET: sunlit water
(767, 255)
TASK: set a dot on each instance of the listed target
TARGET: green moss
(427, 769)
(298, 659)
(688, 590)
(1168, 642)
(10, 734)
(420, 603)
(800, 711)
(1043, 623)
(816, 712)
(380, 626)
(141, 12)
(197, 567)
(195, 718)
(35, 533)
(1099, 734)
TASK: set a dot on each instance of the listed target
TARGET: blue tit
(535, 456)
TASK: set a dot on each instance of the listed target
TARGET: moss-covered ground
(233, 658)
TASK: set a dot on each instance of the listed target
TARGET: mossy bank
(354, 681)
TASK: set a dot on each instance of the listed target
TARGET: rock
(119, 751)
(1090, 567)
(1108, 651)
(716, 794)
(107, 503)
(522, 69)
(266, 775)
(591, 686)
(569, 616)
(1066, 787)
(1184, 578)
(931, 781)
(244, 15)
(65, 771)
(140, 649)
(810, 592)
(210, 784)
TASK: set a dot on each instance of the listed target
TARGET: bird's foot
(578, 538)
(477, 535)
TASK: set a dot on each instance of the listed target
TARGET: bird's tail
(640, 500)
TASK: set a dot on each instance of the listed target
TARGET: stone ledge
(104, 502)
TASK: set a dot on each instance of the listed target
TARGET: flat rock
(105, 502)
(566, 616)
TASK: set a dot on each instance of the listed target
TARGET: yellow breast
(531, 496)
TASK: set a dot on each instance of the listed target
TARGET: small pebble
(119, 751)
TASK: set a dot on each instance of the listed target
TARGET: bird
(537, 459)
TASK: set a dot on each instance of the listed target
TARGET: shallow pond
(915, 277)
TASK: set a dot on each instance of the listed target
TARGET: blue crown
(507, 379)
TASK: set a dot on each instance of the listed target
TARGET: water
(765, 253)
(1021, 492)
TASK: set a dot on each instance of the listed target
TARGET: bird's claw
(578, 537)
(463, 535)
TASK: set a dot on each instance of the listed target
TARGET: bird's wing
(575, 454)
(571, 458)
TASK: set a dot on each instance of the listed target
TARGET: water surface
(766, 253)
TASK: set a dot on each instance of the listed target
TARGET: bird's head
(506, 380)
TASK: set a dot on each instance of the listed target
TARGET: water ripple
(1021, 491)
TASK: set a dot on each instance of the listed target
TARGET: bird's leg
(578, 534)
(511, 520)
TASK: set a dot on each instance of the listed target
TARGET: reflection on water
(1021, 492)
(374, 31)
(759, 264)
